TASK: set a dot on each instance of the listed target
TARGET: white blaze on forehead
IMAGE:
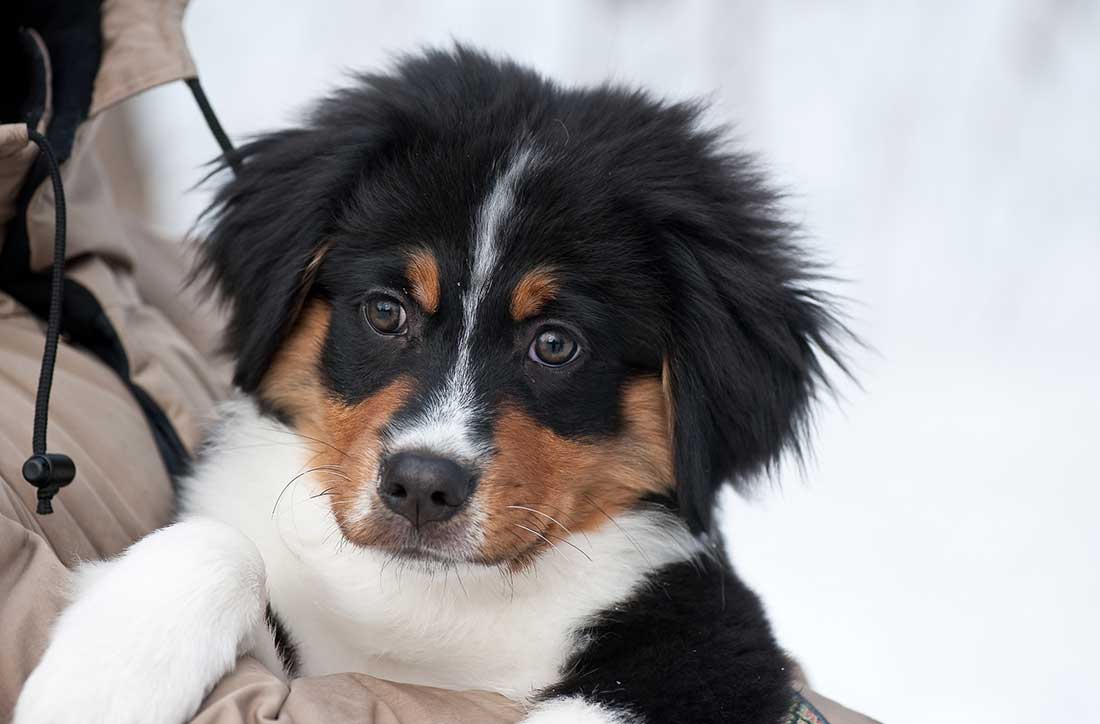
(445, 425)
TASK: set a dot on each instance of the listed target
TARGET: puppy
(499, 342)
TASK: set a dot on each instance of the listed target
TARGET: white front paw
(73, 684)
(574, 710)
(150, 632)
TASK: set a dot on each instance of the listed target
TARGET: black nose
(424, 488)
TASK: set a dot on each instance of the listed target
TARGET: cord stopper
(49, 472)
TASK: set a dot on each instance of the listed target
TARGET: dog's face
(484, 389)
(506, 312)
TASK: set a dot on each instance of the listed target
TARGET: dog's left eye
(386, 315)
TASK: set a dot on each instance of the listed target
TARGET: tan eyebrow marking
(423, 275)
(534, 290)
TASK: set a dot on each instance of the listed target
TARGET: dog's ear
(747, 336)
(267, 238)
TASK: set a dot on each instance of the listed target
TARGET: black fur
(285, 647)
(673, 255)
(693, 647)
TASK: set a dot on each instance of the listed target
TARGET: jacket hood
(143, 47)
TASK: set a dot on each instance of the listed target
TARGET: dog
(499, 343)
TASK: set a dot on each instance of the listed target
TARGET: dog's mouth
(457, 539)
(464, 538)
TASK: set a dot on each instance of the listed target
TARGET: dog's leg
(692, 646)
(149, 633)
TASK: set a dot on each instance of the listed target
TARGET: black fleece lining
(23, 82)
(71, 31)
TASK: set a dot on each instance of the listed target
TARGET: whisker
(551, 518)
(568, 516)
(289, 483)
(507, 575)
(454, 565)
(308, 437)
(335, 471)
(249, 446)
(333, 529)
(280, 496)
(621, 530)
(570, 544)
(555, 536)
(540, 535)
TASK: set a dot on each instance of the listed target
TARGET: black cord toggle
(49, 473)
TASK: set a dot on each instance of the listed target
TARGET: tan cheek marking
(534, 290)
(423, 275)
(356, 431)
(293, 381)
(344, 437)
(578, 483)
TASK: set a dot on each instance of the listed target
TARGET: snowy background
(938, 562)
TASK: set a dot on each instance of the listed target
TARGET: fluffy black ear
(267, 236)
(748, 334)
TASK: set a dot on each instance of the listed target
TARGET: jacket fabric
(166, 334)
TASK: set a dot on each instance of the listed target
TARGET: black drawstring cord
(215, 126)
(49, 472)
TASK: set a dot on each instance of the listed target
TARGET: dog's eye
(553, 348)
(385, 314)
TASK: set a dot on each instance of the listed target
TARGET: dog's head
(504, 309)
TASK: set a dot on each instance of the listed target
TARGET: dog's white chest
(416, 629)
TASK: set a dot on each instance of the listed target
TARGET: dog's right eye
(553, 348)
(386, 315)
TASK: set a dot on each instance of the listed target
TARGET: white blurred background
(937, 562)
